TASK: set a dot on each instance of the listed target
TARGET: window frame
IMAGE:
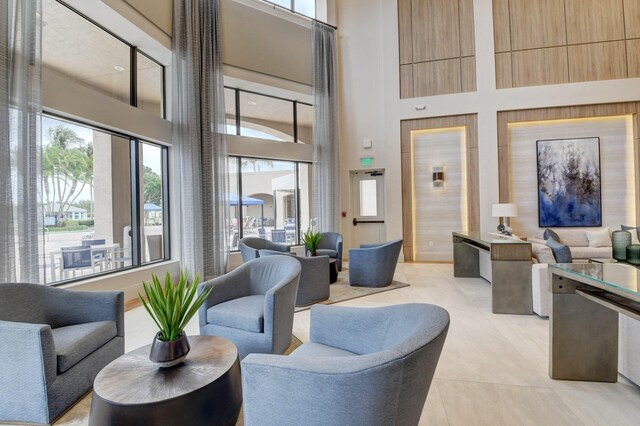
(136, 199)
(133, 69)
(238, 114)
(296, 172)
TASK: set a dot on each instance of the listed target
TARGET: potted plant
(311, 240)
(171, 307)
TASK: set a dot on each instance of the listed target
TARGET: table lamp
(504, 211)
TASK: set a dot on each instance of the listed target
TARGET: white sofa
(577, 241)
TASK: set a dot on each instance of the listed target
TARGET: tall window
(80, 50)
(269, 199)
(94, 222)
(261, 116)
(305, 7)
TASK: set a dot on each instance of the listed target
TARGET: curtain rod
(277, 6)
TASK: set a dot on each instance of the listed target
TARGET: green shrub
(66, 228)
(70, 223)
(86, 222)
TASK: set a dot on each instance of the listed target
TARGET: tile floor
(493, 369)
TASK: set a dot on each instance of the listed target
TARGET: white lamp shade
(504, 210)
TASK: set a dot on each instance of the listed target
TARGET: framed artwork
(569, 191)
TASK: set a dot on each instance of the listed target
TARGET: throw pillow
(542, 253)
(550, 233)
(635, 236)
(560, 251)
(599, 238)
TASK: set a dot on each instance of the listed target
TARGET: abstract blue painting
(569, 192)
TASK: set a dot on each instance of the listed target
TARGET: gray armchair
(54, 343)
(331, 245)
(250, 247)
(373, 265)
(253, 306)
(314, 279)
(362, 366)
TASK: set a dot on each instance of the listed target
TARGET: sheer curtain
(198, 117)
(326, 188)
(20, 145)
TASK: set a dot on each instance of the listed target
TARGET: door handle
(356, 221)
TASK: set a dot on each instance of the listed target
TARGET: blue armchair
(253, 306)
(331, 245)
(250, 246)
(373, 265)
(314, 283)
(362, 366)
(54, 344)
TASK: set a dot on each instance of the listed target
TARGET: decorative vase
(633, 254)
(169, 354)
(620, 241)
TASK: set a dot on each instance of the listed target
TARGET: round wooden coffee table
(205, 389)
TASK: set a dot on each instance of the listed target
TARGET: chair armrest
(29, 363)
(279, 307)
(358, 330)
(226, 287)
(69, 307)
(368, 246)
(367, 262)
(351, 390)
(536, 240)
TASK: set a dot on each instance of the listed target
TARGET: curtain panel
(198, 117)
(326, 187)
(21, 231)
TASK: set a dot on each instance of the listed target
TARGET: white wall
(371, 105)
(616, 167)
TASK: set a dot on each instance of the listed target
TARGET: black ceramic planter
(169, 354)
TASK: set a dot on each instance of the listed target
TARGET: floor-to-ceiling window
(105, 192)
(304, 7)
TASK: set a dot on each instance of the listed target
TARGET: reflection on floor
(493, 369)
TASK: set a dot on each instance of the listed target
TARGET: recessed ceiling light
(118, 68)
(252, 103)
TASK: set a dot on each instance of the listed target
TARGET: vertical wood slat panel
(406, 81)
(540, 67)
(437, 77)
(405, 33)
(467, 34)
(537, 24)
(633, 58)
(468, 74)
(435, 30)
(501, 30)
(590, 21)
(407, 206)
(597, 61)
(632, 18)
(504, 75)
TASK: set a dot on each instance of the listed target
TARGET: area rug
(341, 291)
(78, 415)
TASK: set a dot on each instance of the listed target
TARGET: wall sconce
(438, 176)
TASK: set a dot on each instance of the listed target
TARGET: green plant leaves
(311, 240)
(171, 307)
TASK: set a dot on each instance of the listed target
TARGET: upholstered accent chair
(314, 278)
(373, 265)
(362, 366)
(331, 245)
(250, 247)
(253, 305)
(54, 343)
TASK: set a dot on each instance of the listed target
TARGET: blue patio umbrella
(248, 201)
(150, 207)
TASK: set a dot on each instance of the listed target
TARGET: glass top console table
(583, 325)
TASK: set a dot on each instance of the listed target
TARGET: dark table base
(333, 271)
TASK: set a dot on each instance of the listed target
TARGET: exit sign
(366, 161)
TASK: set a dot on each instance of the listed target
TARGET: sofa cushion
(549, 233)
(245, 313)
(573, 237)
(560, 251)
(542, 253)
(327, 252)
(586, 253)
(317, 350)
(75, 342)
(599, 238)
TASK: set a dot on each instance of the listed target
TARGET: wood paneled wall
(437, 47)
(539, 42)
(470, 122)
(544, 114)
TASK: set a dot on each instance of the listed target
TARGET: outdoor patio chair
(78, 258)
